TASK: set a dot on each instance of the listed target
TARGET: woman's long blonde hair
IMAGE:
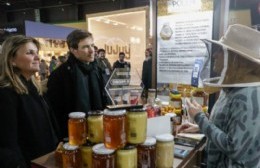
(9, 75)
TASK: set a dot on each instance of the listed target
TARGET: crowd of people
(34, 121)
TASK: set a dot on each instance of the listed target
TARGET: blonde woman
(26, 128)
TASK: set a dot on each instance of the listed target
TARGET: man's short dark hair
(121, 53)
(101, 50)
(75, 36)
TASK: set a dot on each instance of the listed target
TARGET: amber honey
(71, 156)
(103, 157)
(146, 153)
(77, 128)
(114, 128)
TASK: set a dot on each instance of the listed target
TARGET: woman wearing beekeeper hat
(233, 130)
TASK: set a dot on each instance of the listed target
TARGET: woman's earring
(14, 64)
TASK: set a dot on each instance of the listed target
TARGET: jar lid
(164, 137)
(114, 112)
(95, 113)
(136, 110)
(128, 147)
(149, 141)
(170, 114)
(77, 115)
(67, 146)
(102, 150)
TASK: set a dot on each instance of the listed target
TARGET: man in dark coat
(147, 71)
(121, 63)
(77, 84)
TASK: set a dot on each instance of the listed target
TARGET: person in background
(147, 71)
(27, 128)
(77, 84)
(121, 63)
(53, 64)
(104, 65)
(96, 52)
(233, 128)
(43, 70)
(61, 60)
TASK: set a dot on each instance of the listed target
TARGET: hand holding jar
(193, 108)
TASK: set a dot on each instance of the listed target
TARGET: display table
(192, 160)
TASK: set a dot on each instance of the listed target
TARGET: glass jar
(151, 96)
(146, 153)
(173, 125)
(136, 126)
(77, 128)
(175, 99)
(164, 151)
(114, 128)
(199, 96)
(71, 156)
(58, 155)
(178, 119)
(95, 127)
(126, 157)
(86, 154)
(103, 157)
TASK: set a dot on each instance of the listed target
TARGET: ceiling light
(8, 4)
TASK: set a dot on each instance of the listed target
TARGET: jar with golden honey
(71, 156)
(77, 128)
(175, 99)
(58, 155)
(164, 151)
(86, 154)
(103, 157)
(95, 127)
(126, 157)
(200, 97)
(136, 126)
(114, 123)
(146, 153)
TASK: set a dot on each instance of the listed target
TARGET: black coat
(62, 96)
(147, 73)
(25, 127)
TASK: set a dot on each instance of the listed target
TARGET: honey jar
(146, 153)
(136, 126)
(126, 157)
(200, 97)
(77, 128)
(86, 154)
(175, 99)
(103, 157)
(114, 128)
(164, 151)
(95, 127)
(71, 156)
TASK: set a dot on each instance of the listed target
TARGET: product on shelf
(95, 127)
(126, 157)
(164, 150)
(71, 156)
(103, 157)
(146, 153)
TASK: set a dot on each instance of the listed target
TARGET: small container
(114, 128)
(58, 155)
(136, 126)
(86, 154)
(175, 99)
(71, 156)
(77, 128)
(146, 153)
(95, 127)
(151, 96)
(164, 151)
(178, 119)
(103, 157)
(150, 111)
(199, 96)
(173, 125)
(126, 157)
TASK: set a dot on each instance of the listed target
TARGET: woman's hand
(193, 108)
(188, 128)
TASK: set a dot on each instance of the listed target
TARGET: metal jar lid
(114, 112)
(77, 115)
(102, 150)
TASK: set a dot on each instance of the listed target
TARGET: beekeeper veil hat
(236, 58)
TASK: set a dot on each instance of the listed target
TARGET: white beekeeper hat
(240, 48)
